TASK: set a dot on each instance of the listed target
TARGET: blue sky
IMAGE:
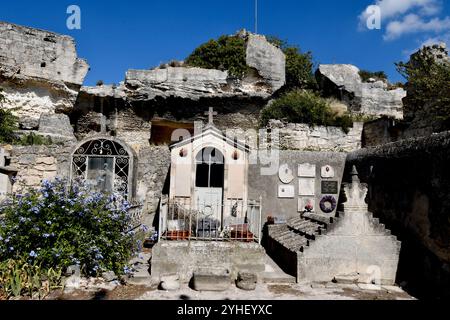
(117, 36)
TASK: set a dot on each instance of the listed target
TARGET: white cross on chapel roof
(211, 113)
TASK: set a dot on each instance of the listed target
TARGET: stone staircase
(297, 233)
(296, 236)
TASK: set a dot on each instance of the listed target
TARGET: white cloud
(445, 38)
(413, 23)
(392, 8)
(436, 40)
(402, 17)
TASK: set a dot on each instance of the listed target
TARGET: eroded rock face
(266, 77)
(369, 98)
(192, 83)
(39, 72)
(33, 53)
(268, 60)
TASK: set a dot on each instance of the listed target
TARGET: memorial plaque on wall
(329, 187)
(306, 186)
(327, 172)
(307, 170)
(286, 192)
(285, 174)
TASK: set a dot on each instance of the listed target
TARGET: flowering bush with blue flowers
(60, 225)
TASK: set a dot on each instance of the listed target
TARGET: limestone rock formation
(267, 75)
(191, 83)
(268, 60)
(116, 92)
(56, 126)
(369, 98)
(39, 72)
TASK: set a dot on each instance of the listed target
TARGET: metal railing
(232, 220)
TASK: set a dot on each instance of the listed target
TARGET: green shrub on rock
(302, 106)
(299, 66)
(226, 53)
(378, 75)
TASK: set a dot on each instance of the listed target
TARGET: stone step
(299, 240)
(307, 227)
(300, 224)
(279, 229)
(286, 237)
(274, 278)
(318, 218)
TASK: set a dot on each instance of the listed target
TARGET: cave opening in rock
(164, 131)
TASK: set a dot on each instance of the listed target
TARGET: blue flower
(33, 254)
(11, 248)
(46, 235)
(48, 222)
(22, 219)
(126, 270)
(99, 256)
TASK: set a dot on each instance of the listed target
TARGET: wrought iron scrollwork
(103, 148)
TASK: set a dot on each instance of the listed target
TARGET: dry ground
(329, 291)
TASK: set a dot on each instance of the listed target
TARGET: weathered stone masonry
(409, 187)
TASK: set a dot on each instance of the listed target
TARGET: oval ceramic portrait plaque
(327, 171)
(285, 174)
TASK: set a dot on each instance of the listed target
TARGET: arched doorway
(209, 184)
(104, 164)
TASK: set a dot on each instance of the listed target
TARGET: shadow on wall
(409, 188)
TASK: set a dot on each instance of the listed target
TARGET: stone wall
(266, 186)
(36, 163)
(381, 131)
(409, 187)
(299, 136)
(153, 169)
(186, 257)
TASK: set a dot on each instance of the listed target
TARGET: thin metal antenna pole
(256, 16)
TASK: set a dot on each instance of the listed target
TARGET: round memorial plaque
(285, 174)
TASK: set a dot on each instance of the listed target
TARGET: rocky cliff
(39, 72)
(266, 76)
(369, 98)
